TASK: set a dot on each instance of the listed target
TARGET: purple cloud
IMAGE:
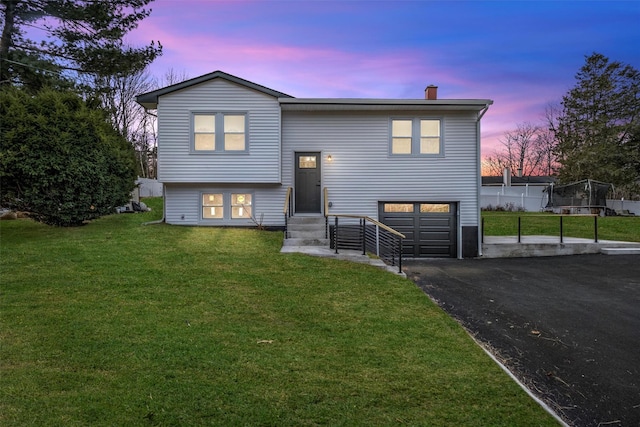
(523, 55)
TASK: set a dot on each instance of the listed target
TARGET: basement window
(225, 205)
(240, 206)
(212, 206)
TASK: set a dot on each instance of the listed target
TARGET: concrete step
(306, 220)
(302, 227)
(620, 251)
(305, 242)
(306, 231)
(307, 234)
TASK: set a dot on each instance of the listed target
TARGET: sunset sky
(522, 54)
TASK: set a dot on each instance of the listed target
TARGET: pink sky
(523, 55)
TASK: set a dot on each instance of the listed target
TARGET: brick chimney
(431, 92)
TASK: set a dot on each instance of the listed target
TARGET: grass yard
(120, 324)
(548, 224)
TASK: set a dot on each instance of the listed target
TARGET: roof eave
(149, 100)
(329, 104)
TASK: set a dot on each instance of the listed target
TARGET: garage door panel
(442, 236)
(435, 251)
(428, 233)
(435, 222)
(393, 221)
(409, 234)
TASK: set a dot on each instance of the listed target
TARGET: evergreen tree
(84, 42)
(597, 129)
(61, 160)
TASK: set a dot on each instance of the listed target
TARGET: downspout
(479, 176)
(164, 209)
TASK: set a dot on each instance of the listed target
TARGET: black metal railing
(288, 208)
(361, 233)
(561, 230)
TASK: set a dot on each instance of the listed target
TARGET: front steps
(306, 234)
(306, 231)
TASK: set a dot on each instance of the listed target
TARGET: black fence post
(595, 227)
(519, 228)
(482, 230)
(326, 227)
(560, 228)
(335, 234)
(399, 254)
(285, 226)
(363, 225)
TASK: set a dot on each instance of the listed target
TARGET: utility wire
(79, 70)
(30, 66)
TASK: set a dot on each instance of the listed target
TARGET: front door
(308, 183)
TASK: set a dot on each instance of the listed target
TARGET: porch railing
(365, 234)
(560, 232)
(362, 233)
(288, 208)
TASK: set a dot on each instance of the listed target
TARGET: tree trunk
(7, 34)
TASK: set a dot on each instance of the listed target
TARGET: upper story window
(221, 132)
(416, 136)
(204, 132)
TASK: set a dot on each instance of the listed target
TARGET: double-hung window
(212, 206)
(219, 132)
(240, 206)
(416, 136)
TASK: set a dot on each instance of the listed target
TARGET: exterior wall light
(329, 158)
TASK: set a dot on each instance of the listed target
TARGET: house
(229, 150)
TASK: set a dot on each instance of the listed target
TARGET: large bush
(61, 160)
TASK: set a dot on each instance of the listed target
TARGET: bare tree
(126, 115)
(525, 151)
(137, 125)
(171, 77)
(547, 141)
(145, 137)
(120, 101)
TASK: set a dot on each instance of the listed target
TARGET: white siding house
(229, 149)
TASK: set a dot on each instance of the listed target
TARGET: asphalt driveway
(568, 327)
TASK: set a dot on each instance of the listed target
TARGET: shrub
(508, 207)
(60, 159)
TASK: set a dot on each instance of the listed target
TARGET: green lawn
(120, 324)
(535, 223)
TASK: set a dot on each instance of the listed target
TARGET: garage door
(430, 228)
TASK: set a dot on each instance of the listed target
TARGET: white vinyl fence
(624, 205)
(533, 199)
(149, 187)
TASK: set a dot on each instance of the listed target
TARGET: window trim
(219, 143)
(232, 206)
(227, 207)
(416, 137)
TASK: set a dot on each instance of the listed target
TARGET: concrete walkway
(495, 247)
(347, 255)
(536, 246)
